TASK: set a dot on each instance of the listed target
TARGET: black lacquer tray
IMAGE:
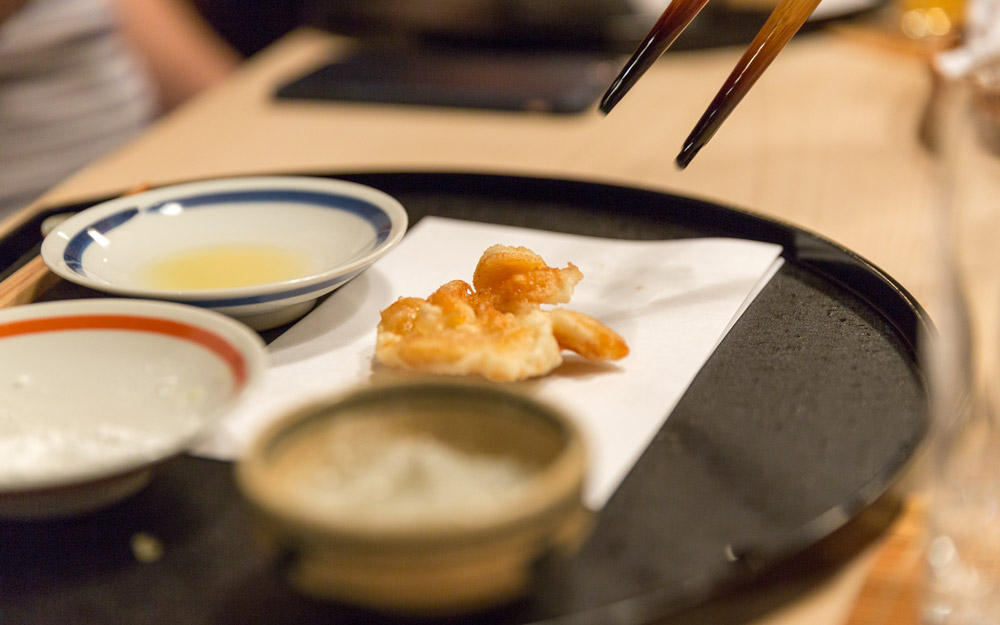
(803, 418)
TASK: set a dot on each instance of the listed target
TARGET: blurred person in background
(78, 78)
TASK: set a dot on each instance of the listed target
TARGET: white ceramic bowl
(260, 249)
(94, 393)
(430, 497)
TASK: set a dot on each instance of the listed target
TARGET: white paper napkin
(672, 301)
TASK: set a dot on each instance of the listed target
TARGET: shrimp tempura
(497, 329)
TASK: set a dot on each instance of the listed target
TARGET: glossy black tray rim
(812, 251)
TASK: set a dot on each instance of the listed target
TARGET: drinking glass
(963, 522)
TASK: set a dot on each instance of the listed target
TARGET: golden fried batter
(586, 336)
(513, 278)
(497, 330)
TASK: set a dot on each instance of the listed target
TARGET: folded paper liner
(673, 302)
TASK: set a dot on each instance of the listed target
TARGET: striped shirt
(70, 92)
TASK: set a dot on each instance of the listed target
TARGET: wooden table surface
(827, 141)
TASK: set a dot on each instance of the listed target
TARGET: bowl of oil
(261, 249)
(424, 497)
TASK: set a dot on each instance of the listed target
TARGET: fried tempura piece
(497, 330)
(456, 332)
(586, 336)
(515, 277)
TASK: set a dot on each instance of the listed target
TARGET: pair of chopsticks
(786, 19)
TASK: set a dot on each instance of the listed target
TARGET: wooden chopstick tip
(613, 95)
(686, 155)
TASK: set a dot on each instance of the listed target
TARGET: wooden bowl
(429, 497)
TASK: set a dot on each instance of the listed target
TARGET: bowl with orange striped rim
(95, 393)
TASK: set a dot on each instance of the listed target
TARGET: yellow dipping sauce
(225, 266)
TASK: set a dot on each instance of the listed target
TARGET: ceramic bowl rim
(236, 335)
(55, 243)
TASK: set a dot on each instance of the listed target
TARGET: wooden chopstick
(786, 20)
(34, 278)
(27, 284)
(672, 22)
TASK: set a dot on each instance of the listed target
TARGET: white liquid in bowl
(395, 469)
